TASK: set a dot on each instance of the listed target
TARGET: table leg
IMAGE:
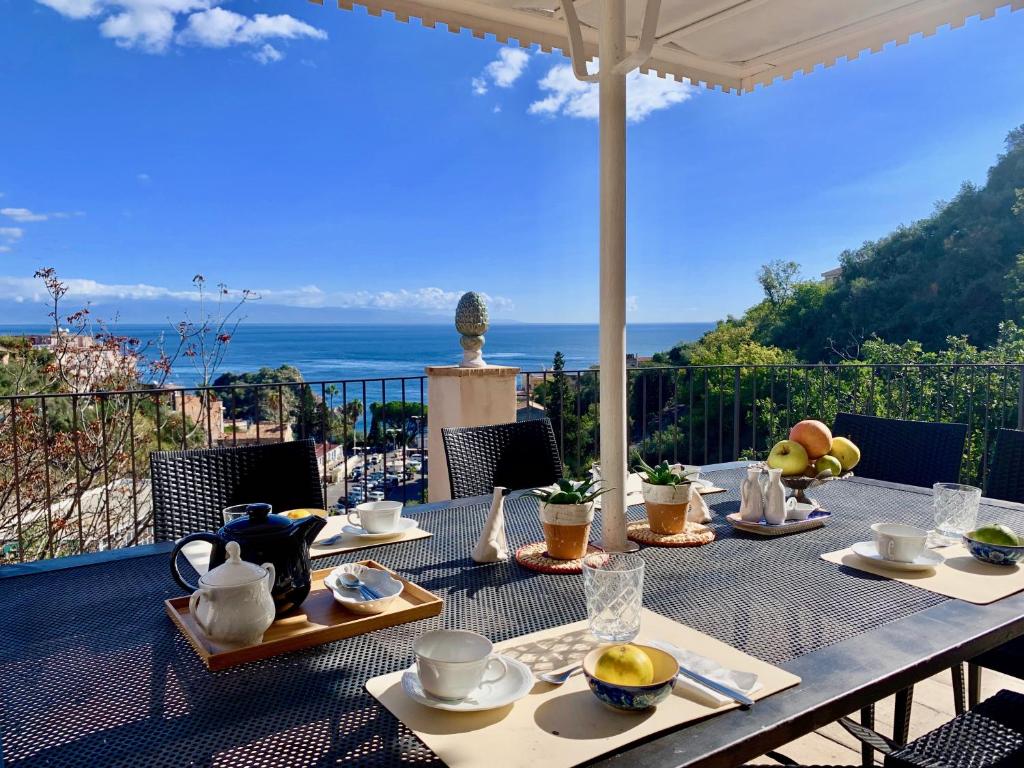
(902, 705)
(958, 688)
(867, 719)
(973, 685)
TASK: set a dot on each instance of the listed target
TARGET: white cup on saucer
(377, 516)
(899, 542)
(452, 663)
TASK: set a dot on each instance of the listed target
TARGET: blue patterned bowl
(997, 554)
(634, 698)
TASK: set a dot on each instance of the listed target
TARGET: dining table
(93, 673)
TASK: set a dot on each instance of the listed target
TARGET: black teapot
(264, 538)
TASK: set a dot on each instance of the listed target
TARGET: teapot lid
(258, 521)
(234, 571)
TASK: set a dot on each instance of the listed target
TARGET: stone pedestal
(464, 397)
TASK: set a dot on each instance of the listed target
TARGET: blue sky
(328, 158)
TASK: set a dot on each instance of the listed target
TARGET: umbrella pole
(612, 50)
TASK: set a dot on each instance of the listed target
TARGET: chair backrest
(191, 488)
(518, 455)
(1006, 471)
(910, 452)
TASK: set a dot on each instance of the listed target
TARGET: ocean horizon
(354, 351)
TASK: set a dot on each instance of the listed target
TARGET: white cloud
(74, 9)
(426, 299)
(142, 178)
(268, 54)
(5, 249)
(570, 97)
(219, 28)
(503, 71)
(22, 214)
(11, 233)
(154, 25)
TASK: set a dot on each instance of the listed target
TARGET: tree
(777, 279)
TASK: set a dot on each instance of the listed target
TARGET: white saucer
(926, 561)
(514, 685)
(404, 524)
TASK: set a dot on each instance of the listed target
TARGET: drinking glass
(234, 512)
(956, 508)
(614, 586)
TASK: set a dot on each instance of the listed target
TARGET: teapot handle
(271, 576)
(201, 536)
(193, 606)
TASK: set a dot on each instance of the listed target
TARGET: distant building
(634, 360)
(832, 275)
(86, 360)
(250, 433)
(194, 408)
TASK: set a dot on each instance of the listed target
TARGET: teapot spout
(310, 526)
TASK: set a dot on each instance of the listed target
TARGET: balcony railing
(74, 468)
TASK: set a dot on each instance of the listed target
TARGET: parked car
(376, 495)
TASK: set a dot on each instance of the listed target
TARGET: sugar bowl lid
(234, 571)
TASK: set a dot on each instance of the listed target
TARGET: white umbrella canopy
(734, 45)
(730, 44)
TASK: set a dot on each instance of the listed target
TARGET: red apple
(814, 436)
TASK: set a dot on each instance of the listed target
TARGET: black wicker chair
(1006, 472)
(518, 455)
(911, 452)
(191, 488)
(989, 736)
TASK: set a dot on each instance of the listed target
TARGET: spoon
(352, 581)
(557, 678)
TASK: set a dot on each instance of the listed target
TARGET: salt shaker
(775, 499)
(751, 500)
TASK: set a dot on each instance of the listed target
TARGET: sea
(389, 352)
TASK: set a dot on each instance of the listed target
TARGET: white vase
(492, 546)
(775, 499)
(751, 499)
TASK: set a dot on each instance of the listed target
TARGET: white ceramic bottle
(775, 499)
(751, 500)
(492, 546)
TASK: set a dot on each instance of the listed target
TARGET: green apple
(847, 453)
(996, 534)
(789, 456)
(831, 463)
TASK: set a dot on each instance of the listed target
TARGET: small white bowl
(381, 582)
(799, 511)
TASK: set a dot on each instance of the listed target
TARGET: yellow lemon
(624, 665)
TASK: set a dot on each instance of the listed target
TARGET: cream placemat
(557, 727)
(960, 576)
(198, 552)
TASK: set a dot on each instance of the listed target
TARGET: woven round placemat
(534, 557)
(693, 535)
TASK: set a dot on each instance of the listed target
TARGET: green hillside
(959, 272)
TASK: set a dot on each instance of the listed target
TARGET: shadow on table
(473, 577)
(564, 716)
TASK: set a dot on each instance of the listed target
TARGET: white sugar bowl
(233, 604)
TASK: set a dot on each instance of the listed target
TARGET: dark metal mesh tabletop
(92, 672)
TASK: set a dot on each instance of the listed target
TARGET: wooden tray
(320, 619)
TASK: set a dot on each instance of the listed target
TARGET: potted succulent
(666, 492)
(566, 512)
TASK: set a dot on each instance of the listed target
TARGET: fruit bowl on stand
(800, 484)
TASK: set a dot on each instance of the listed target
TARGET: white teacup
(895, 541)
(377, 516)
(452, 663)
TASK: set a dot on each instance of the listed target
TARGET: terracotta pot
(566, 529)
(666, 507)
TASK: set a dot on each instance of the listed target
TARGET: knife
(730, 693)
(725, 690)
